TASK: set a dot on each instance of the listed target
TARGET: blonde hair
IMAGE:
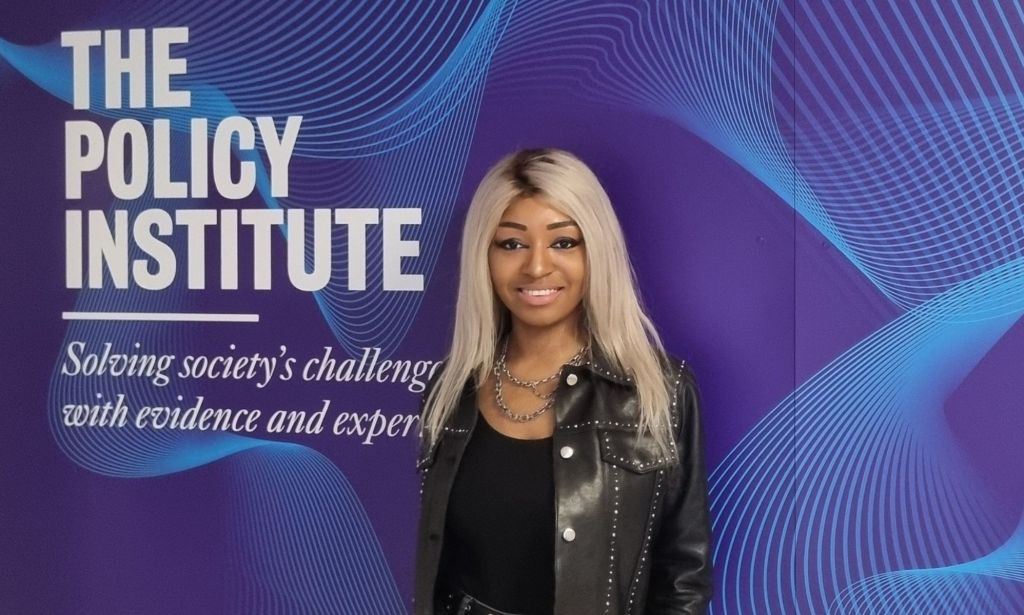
(615, 321)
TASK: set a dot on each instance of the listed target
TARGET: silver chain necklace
(501, 369)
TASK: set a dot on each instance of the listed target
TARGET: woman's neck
(543, 349)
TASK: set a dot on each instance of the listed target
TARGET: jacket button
(568, 534)
(566, 452)
(572, 379)
(434, 537)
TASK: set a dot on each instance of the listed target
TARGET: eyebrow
(553, 225)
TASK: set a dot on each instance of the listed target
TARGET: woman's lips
(539, 296)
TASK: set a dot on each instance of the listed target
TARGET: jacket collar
(600, 365)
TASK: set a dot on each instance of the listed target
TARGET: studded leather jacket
(632, 527)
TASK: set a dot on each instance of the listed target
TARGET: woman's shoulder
(682, 381)
(678, 370)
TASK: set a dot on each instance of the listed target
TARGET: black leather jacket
(632, 527)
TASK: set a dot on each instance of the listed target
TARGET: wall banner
(230, 254)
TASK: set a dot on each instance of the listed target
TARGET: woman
(562, 464)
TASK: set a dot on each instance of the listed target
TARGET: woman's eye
(509, 244)
(565, 243)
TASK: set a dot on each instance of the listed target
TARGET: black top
(499, 543)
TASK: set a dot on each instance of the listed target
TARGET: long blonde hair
(616, 324)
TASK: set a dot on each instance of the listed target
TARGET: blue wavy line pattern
(851, 496)
(893, 128)
(307, 545)
(860, 115)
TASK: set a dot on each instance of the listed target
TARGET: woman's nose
(538, 264)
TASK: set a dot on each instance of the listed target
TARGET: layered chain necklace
(501, 370)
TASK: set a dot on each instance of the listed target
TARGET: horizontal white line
(161, 316)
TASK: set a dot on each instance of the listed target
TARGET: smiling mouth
(539, 292)
(539, 296)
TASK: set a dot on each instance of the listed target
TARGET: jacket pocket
(625, 450)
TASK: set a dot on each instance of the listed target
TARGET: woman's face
(538, 264)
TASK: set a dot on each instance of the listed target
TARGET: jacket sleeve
(681, 573)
